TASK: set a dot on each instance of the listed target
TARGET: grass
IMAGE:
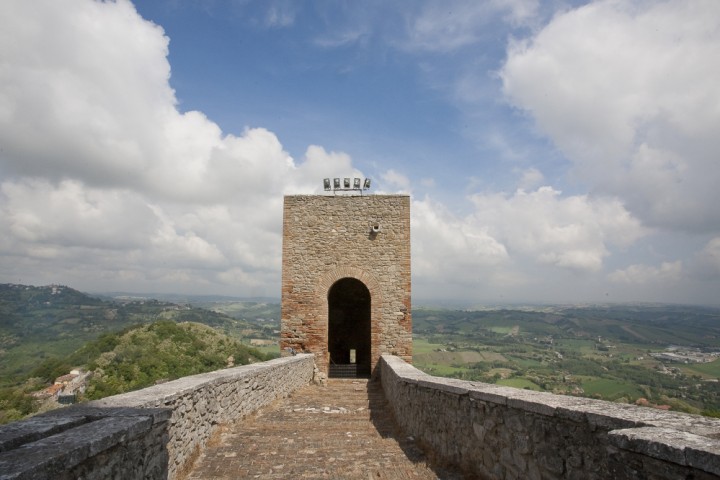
(22, 358)
(449, 358)
(705, 370)
(519, 382)
(584, 347)
(440, 370)
(432, 356)
(503, 372)
(502, 330)
(526, 362)
(269, 349)
(610, 389)
(420, 345)
(489, 356)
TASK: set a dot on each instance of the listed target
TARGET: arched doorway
(349, 329)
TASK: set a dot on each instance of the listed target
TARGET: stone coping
(68, 448)
(170, 391)
(57, 423)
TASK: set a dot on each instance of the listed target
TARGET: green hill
(161, 351)
(134, 358)
(51, 322)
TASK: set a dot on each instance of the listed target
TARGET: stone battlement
(151, 433)
(500, 432)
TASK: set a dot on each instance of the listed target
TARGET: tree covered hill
(161, 351)
(134, 358)
(51, 322)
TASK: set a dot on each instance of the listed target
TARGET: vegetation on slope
(135, 358)
(39, 324)
(161, 351)
(45, 331)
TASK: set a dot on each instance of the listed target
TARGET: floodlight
(346, 182)
(326, 183)
(356, 183)
(366, 185)
(336, 183)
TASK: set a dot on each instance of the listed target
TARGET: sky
(554, 151)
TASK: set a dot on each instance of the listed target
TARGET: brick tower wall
(328, 238)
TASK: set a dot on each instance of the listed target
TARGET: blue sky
(554, 151)
(305, 82)
(348, 78)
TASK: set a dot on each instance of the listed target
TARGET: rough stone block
(670, 445)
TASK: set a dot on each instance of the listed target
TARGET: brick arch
(373, 285)
(367, 278)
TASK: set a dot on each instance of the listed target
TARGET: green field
(706, 370)
(519, 383)
(502, 330)
(441, 370)
(421, 345)
(273, 350)
(611, 389)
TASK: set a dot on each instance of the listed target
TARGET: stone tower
(346, 280)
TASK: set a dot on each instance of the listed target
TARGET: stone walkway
(340, 431)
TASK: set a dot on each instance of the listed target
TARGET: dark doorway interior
(349, 329)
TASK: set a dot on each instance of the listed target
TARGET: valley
(660, 356)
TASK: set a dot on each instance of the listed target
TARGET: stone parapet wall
(496, 432)
(151, 433)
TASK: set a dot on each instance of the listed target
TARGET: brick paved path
(340, 431)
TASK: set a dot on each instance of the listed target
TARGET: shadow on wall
(384, 422)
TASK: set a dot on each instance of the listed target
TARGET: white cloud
(344, 37)
(69, 214)
(106, 116)
(318, 164)
(448, 26)
(641, 274)
(281, 14)
(711, 253)
(427, 182)
(705, 265)
(395, 181)
(103, 173)
(449, 250)
(65, 110)
(627, 90)
(572, 232)
(534, 244)
(530, 178)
